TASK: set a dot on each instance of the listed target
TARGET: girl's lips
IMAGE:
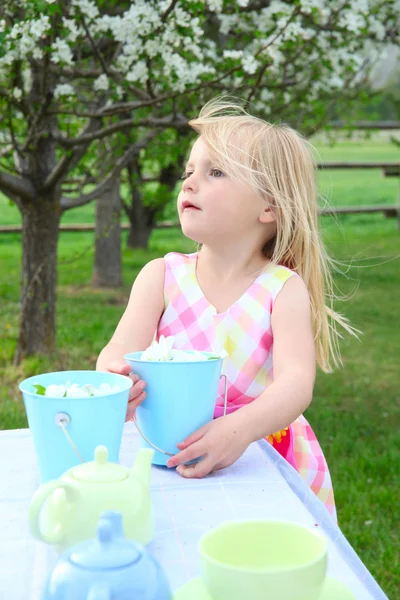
(186, 205)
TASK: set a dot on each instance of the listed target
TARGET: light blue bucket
(180, 398)
(59, 424)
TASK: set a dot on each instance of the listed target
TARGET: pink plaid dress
(244, 331)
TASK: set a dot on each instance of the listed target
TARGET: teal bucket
(180, 398)
(66, 431)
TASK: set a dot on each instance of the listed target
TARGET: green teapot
(66, 511)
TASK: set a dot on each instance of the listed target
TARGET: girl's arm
(138, 324)
(293, 363)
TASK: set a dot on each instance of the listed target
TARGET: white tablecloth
(259, 485)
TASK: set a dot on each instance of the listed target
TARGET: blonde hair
(277, 163)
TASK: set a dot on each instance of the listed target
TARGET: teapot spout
(142, 465)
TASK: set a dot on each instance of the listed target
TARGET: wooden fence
(389, 169)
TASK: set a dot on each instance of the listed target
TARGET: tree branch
(16, 186)
(166, 13)
(69, 161)
(95, 48)
(67, 203)
(127, 106)
(127, 123)
(108, 111)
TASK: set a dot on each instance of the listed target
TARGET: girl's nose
(190, 184)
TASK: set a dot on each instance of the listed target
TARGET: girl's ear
(267, 215)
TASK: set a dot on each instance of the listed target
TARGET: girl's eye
(215, 173)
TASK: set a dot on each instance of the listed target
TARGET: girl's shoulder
(278, 272)
(274, 278)
(176, 259)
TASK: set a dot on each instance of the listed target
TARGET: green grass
(355, 411)
(359, 186)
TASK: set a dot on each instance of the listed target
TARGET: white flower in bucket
(104, 389)
(55, 391)
(159, 351)
(162, 351)
(75, 391)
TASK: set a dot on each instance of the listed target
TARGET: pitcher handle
(146, 439)
(56, 535)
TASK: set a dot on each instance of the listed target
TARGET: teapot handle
(99, 592)
(56, 535)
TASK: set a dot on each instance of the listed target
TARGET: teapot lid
(99, 470)
(110, 550)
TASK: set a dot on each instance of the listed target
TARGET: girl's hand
(219, 444)
(136, 393)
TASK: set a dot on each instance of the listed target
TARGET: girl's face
(212, 206)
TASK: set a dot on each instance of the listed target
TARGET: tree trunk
(107, 270)
(39, 277)
(141, 217)
(140, 228)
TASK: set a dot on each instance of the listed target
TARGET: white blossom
(61, 52)
(235, 54)
(17, 93)
(360, 6)
(308, 5)
(162, 351)
(266, 95)
(105, 388)
(215, 5)
(101, 83)
(63, 89)
(286, 97)
(73, 29)
(352, 22)
(139, 72)
(226, 23)
(250, 64)
(87, 8)
(152, 48)
(177, 53)
(55, 391)
(75, 390)
(39, 27)
(377, 28)
(159, 351)
(37, 53)
(27, 78)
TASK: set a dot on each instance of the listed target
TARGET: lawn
(355, 411)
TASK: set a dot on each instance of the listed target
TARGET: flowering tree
(77, 74)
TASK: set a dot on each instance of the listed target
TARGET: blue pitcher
(109, 567)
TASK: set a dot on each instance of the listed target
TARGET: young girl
(256, 288)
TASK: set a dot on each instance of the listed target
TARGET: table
(259, 485)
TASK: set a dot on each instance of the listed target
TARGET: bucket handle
(63, 419)
(164, 451)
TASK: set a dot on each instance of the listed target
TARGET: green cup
(255, 560)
